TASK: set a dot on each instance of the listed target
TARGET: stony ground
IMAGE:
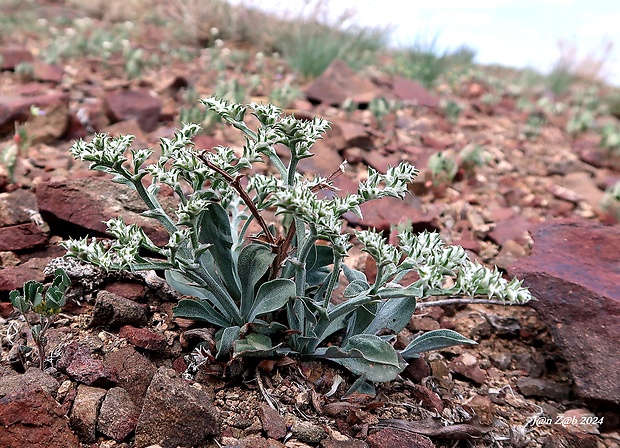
(120, 370)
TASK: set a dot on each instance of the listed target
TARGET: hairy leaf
(434, 340)
(200, 309)
(272, 296)
(254, 261)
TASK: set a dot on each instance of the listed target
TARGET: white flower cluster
(474, 279)
(103, 150)
(394, 183)
(377, 247)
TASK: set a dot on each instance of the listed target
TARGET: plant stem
(236, 184)
(460, 301)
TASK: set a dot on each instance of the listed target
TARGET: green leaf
(254, 261)
(393, 315)
(54, 299)
(19, 302)
(272, 296)
(200, 310)
(214, 229)
(254, 344)
(434, 340)
(33, 293)
(355, 288)
(353, 274)
(226, 342)
(410, 292)
(368, 355)
(61, 280)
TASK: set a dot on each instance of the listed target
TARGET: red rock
(27, 382)
(394, 438)
(139, 104)
(129, 290)
(467, 365)
(381, 215)
(6, 309)
(22, 237)
(144, 338)
(417, 370)
(325, 161)
(352, 134)
(17, 207)
(86, 203)
(429, 399)
(33, 419)
(134, 371)
(118, 415)
(515, 229)
(437, 143)
(49, 125)
(483, 408)
(13, 277)
(17, 108)
(510, 252)
(338, 83)
(379, 161)
(409, 90)
(573, 271)
(349, 443)
(83, 368)
(48, 73)
(273, 423)
(11, 57)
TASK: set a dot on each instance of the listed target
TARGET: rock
(134, 371)
(412, 91)
(175, 414)
(84, 412)
(583, 185)
(345, 135)
(118, 415)
(273, 423)
(574, 273)
(17, 207)
(47, 73)
(33, 419)
(254, 442)
(325, 161)
(350, 443)
(127, 290)
(381, 215)
(338, 83)
(17, 108)
(13, 277)
(483, 408)
(379, 161)
(504, 326)
(535, 387)
(417, 370)
(85, 203)
(48, 125)
(394, 438)
(308, 432)
(510, 252)
(11, 57)
(144, 338)
(429, 399)
(515, 229)
(22, 237)
(467, 365)
(83, 368)
(33, 379)
(115, 311)
(139, 104)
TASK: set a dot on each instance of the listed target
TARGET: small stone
(273, 423)
(467, 365)
(483, 408)
(139, 104)
(429, 399)
(33, 379)
(115, 311)
(118, 415)
(339, 82)
(134, 371)
(308, 432)
(175, 414)
(85, 369)
(398, 439)
(349, 443)
(535, 387)
(144, 338)
(84, 412)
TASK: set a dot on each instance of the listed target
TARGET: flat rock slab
(339, 82)
(574, 271)
(85, 203)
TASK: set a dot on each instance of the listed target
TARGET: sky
(518, 33)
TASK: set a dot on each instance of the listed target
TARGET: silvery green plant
(270, 292)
